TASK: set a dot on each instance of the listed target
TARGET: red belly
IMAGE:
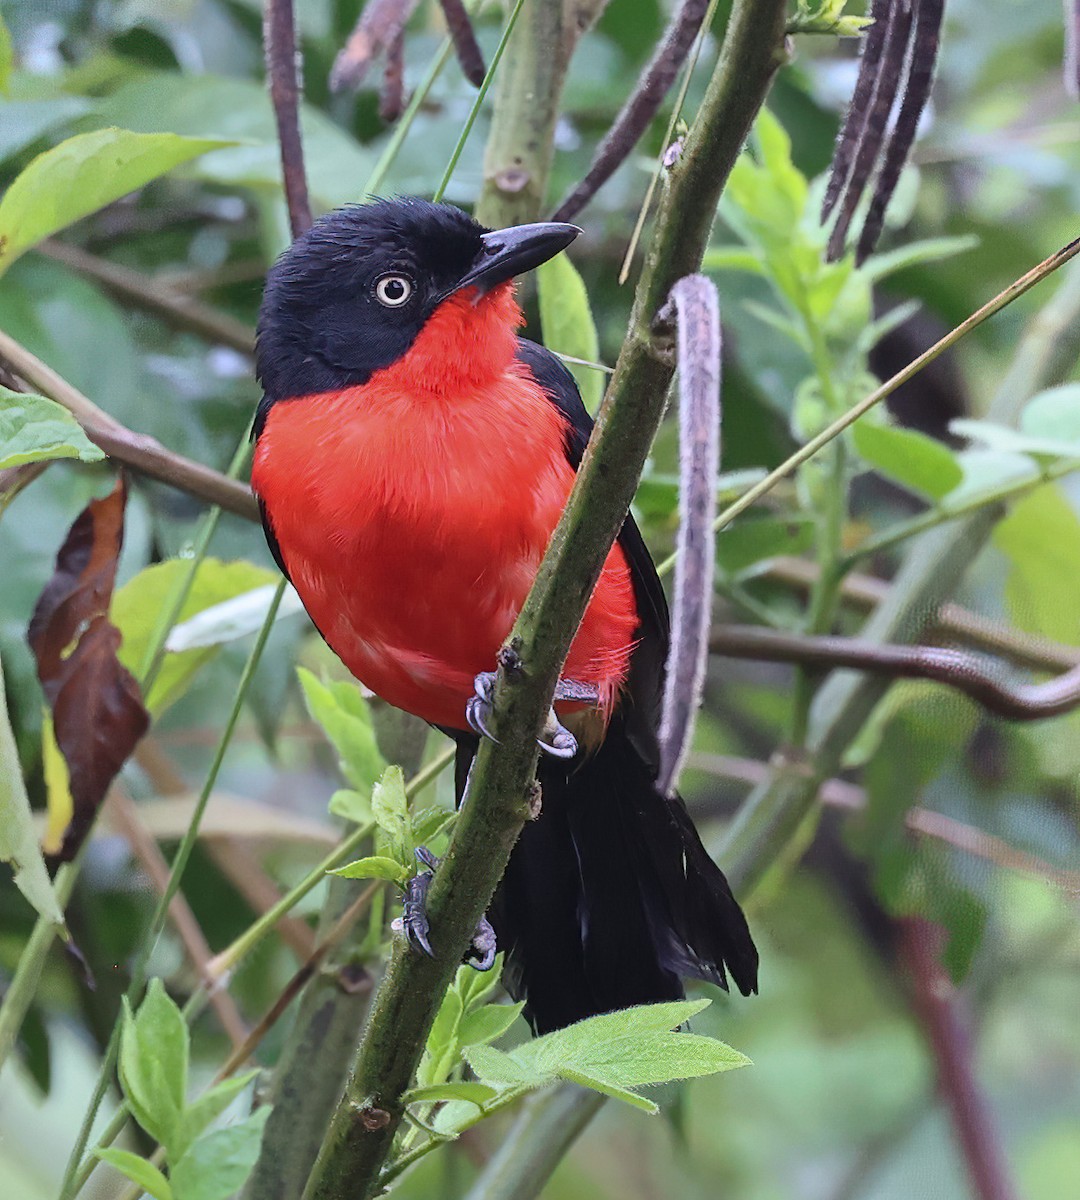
(412, 526)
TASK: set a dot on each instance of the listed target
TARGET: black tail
(610, 899)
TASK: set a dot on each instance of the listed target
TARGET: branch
(937, 1007)
(501, 785)
(155, 296)
(964, 672)
(638, 111)
(283, 75)
(136, 450)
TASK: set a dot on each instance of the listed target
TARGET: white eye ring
(393, 291)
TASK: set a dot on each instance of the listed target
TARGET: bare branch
(379, 24)
(465, 45)
(284, 76)
(392, 92)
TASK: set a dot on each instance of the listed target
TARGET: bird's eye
(393, 290)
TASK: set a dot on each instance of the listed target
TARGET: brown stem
(123, 814)
(965, 672)
(638, 111)
(946, 1027)
(466, 48)
(379, 24)
(283, 74)
(155, 296)
(136, 450)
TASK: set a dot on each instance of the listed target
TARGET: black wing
(646, 681)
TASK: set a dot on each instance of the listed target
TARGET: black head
(351, 294)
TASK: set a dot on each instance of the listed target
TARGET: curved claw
(413, 921)
(478, 706)
(557, 741)
(481, 952)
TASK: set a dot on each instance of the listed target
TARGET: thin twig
(643, 104)
(155, 296)
(954, 668)
(283, 72)
(380, 23)
(466, 48)
(123, 814)
(136, 450)
(938, 1008)
(838, 793)
(392, 92)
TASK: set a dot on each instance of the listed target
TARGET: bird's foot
(414, 919)
(556, 739)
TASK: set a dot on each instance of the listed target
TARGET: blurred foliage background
(840, 1103)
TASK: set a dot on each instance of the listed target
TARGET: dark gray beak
(510, 252)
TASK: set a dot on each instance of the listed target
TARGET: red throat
(412, 513)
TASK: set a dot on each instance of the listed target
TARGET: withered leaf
(98, 713)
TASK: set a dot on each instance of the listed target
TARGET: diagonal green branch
(501, 787)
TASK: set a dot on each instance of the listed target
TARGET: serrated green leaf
(605, 1087)
(390, 807)
(218, 1164)
(373, 867)
(478, 1094)
(82, 175)
(207, 1108)
(494, 1067)
(485, 1024)
(138, 1170)
(137, 607)
(917, 462)
(567, 323)
(33, 429)
(153, 1064)
(345, 718)
(18, 841)
(430, 823)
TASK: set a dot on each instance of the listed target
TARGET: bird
(413, 454)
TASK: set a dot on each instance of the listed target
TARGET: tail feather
(610, 898)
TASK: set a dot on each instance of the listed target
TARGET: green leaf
(485, 1024)
(82, 175)
(138, 1170)
(1041, 537)
(207, 1108)
(390, 807)
(18, 841)
(218, 1164)
(733, 258)
(137, 607)
(442, 1051)
(345, 718)
(567, 323)
(1054, 416)
(373, 867)
(7, 57)
(472, 1092)
(232, 619)
(495, 1067)
(352, 806)
(474, 987)
(33, 429)
(27, 120)
(607, 1088)
(153, 1064)
(986, 472)
(929, 250)
(750, 545)
(917, 462)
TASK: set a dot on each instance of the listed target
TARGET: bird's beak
(510, 252)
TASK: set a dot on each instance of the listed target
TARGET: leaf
(207, 1108)
(138, 607)
(470, 1091)
(442, 1051)
(567, 324)
(919, 463)
(373, 867)
(488, 1023)
(138, 1170)
(33, 429)
(82, 175)
(929, 250)
(733, 258)
(606, 1088)
(153, 1064)
(218, 1164)
(495, 1067)
(97, 709)
(1054, 416)
(231, 619)
(986, 472)
(351, 806)
(345, 718)
(7, 57)
(390, 807)
(750, 545)
(18, 842)
(27, 120)
(59, 806)
(1041, 537)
